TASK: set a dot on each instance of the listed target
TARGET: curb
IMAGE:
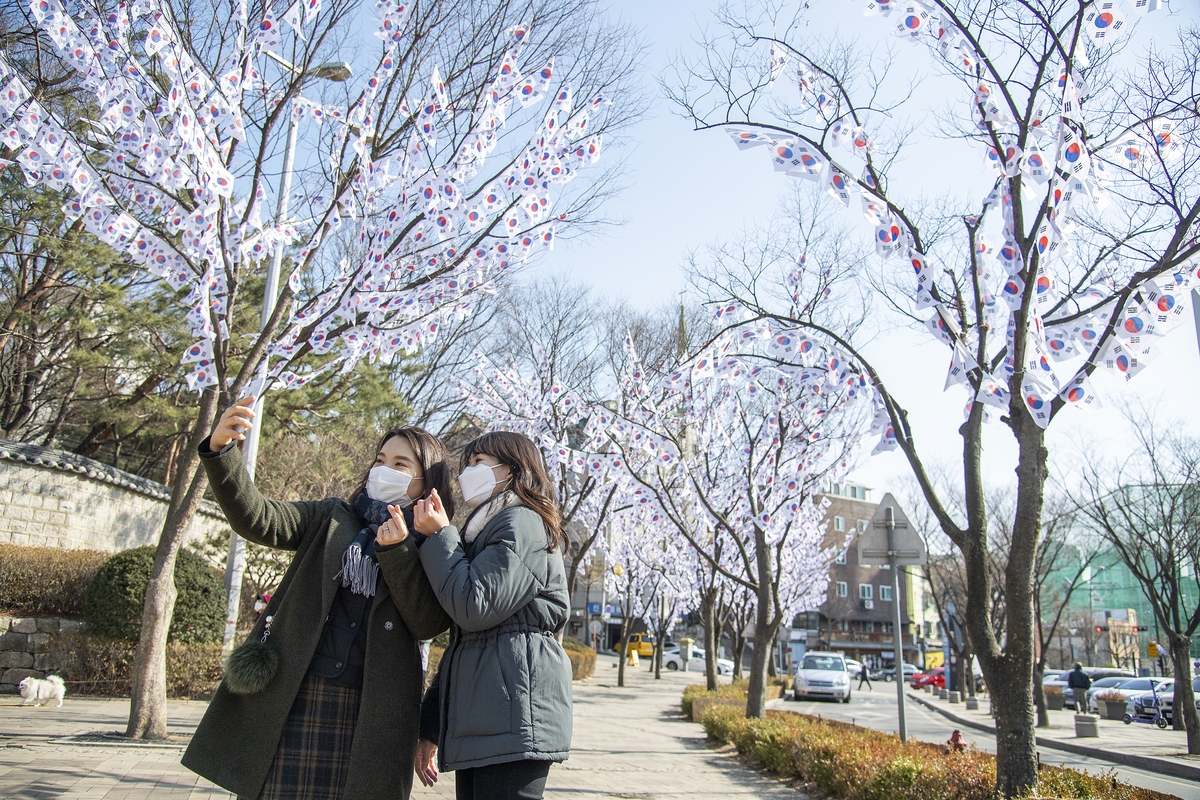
(1149, 763)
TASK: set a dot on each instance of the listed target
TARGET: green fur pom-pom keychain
(252, 667)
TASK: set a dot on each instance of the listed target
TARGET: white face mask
(389, 485)
(477, 484)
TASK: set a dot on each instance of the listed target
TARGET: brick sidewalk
(33, 767)
(627, 743)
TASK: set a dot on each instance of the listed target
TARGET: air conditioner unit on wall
(868, 604)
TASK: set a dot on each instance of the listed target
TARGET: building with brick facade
(857, 616)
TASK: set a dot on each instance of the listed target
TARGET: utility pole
(897, 633)
(235, 561)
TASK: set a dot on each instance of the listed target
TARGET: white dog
(42, 691)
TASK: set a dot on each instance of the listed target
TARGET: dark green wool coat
(236, 741)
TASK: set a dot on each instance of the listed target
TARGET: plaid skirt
(313, 758)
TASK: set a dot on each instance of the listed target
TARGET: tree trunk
(756, 692)
(1039, 698)
(626, 625)
(623, 656)
(148, 697)
(766, 625)
(660, 639)
(739, 654)
(1183, 705)
(708, 620)
(1008, 668)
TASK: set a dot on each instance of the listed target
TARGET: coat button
(338, 665)
(387, 626)
(352, 624)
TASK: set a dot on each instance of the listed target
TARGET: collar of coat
(481, 516)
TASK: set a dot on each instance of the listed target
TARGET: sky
(690, 188)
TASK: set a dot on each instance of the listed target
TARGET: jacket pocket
(480, 702)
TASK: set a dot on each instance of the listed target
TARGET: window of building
(928, 629)
(841, 589)
(839, 523)
(886, 627)
(841, 558)
(865, 591)
(862, 525)
(885, 593)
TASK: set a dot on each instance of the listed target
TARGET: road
(877, 709)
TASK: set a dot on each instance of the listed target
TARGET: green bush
(861, 764)
(112, 604)
(583, 658)
(45, 581)
(727, 691)
(94, 665)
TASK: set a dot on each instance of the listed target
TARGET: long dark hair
(530, 480)
(434, 463)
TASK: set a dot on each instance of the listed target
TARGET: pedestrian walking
(322, 701)
(1078, 682)
(499, 710)
(864, 676)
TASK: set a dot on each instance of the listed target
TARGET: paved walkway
(33, 766)
(628, 743)
(632, 743)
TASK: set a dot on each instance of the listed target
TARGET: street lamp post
(235, 562)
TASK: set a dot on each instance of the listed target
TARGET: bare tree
(1146, 505)
(1092, 195)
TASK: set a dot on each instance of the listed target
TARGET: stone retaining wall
(22, 647)
(52, 498)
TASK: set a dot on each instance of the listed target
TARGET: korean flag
(1104, 21)
(1079, 392)
(1038, 402)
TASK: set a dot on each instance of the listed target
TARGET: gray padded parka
(503, 689)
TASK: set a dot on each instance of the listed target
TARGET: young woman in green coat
(322, 701)
(499, 710)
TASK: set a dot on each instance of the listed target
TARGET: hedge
(856, 763)
(45, 581)
(112, 605)
(583, 658)
(737, 690)
(95, 665)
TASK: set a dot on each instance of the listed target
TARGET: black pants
(863, 678)
(512, 780)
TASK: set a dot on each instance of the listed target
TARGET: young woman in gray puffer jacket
(499, 710)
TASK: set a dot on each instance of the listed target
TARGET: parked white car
(822, 675)
(673, 659)
(1127, 690)
(853, 667)
(1167, 699)
(1102, 685)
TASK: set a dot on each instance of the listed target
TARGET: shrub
(583, 658)
(1111, 694)
(45, 581)
(861, 764)
(112, 604)
(1053, 688)
(728, 691)
(95, 665)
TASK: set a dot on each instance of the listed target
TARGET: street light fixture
(235, 563)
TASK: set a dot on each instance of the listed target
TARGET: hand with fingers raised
(395, 530)
(233, 424)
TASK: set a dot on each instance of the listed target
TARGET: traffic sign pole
(897, 640)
